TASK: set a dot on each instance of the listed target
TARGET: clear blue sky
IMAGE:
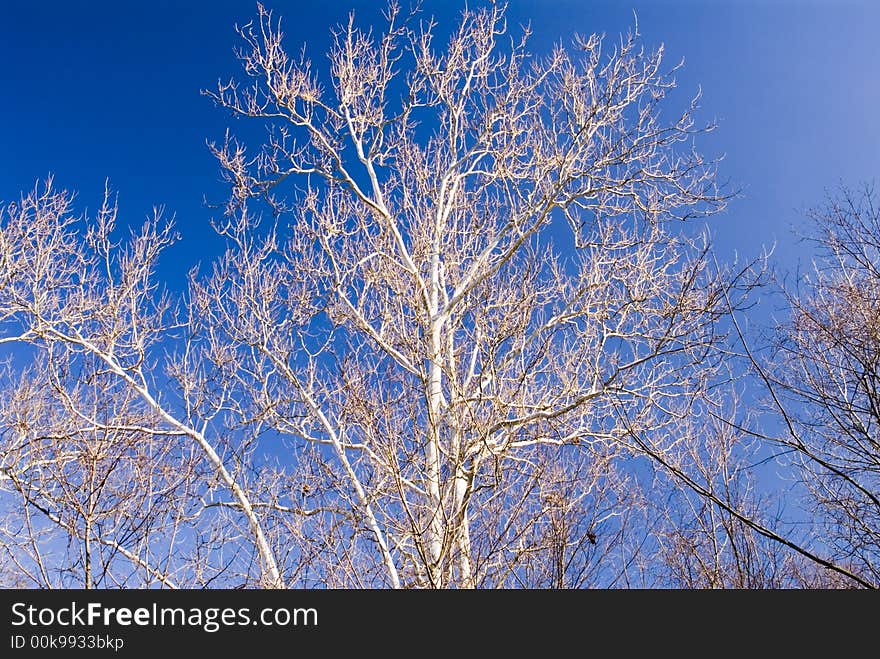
(111, 89)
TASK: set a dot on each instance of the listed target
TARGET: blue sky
(95, 90)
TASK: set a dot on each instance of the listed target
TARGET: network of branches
(467, 332)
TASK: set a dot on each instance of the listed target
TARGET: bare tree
(826, 384)
(457, 302)
(92, 310)
(475, 284)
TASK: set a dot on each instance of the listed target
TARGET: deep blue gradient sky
(99, 89)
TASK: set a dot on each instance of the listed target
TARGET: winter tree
(825, 384)
(460, 283)
(479, 289)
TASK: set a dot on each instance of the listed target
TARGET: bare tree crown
(420, 314)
